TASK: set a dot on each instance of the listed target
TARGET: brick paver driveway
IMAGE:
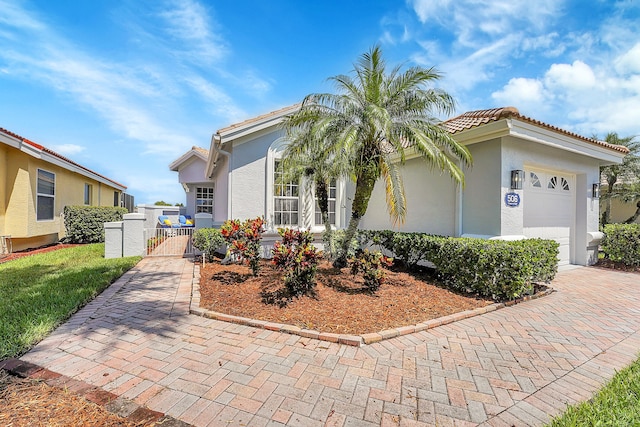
(515, 366)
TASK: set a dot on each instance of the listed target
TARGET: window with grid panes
(46, 190)
(204, 200)
(332, 205)
(286, 200)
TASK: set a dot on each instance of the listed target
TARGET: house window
(535, 181)
(560, 184)
(332, 205)
(46, 188)
(204, 200)
(88, 189)
(116, 198)
(286, 200)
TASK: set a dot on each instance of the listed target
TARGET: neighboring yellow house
(37, 183)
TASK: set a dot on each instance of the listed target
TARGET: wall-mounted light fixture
(517, 178)
(595, 191)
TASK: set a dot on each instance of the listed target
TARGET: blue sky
(125, 87)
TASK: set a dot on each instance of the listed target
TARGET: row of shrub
(85, 224)
(622, 243)
(495, 268)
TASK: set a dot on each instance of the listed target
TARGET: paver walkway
(516, 366)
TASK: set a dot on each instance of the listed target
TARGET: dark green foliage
(371, 264)
(622, 243)
(85, 224)
(495, 268)
(208, 240)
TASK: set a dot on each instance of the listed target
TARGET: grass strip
(39, 292)
(616, 404)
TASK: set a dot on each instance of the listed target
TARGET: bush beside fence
(85, 224)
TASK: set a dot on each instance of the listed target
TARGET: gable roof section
(41, 152)
(197, 152)
(472, 119)
(260, 122)
(244, 128)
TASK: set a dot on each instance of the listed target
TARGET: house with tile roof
(528, 179)
(199, 190)
(37, 183)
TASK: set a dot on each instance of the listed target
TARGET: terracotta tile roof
(60, 156)
(258, 119)
(201, 150)
(477, 118)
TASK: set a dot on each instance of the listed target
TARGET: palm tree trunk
(364, 188)
(322, 193)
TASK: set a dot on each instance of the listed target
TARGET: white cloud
(524, 94)
(473, 21)
(68, 149)
(462, 73)
(219, 102)
(576, 76)
(188, 21)
(629, 62)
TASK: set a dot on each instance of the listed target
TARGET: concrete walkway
(519, 366)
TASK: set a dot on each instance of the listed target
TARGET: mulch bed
(340, 303)
(28, 402)
(613, 265)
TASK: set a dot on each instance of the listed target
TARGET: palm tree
(629, 170)
(307, 157)
(375, 117)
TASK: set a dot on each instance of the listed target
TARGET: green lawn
(39, 292)
(616, 404)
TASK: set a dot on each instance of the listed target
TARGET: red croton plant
(243, 239)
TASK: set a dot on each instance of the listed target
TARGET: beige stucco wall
(621, 211)
(431, 201)
(20, 171)
(3, 187)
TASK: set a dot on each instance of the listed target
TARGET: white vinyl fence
(169, 241)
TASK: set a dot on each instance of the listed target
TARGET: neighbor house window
(285, 201)
(46, 191)
(88, 188)
(332, 205)
(116, 198)
(204, 200)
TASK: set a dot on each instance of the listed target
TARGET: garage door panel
(549, 209)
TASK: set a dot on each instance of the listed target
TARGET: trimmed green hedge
(622, 243)
(208, 240)
(85, 224)
(495, 268)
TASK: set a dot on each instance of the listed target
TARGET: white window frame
(210, 191)
(274, 153)
(333, 187)
(45, 195)
(88, 194)
(283, 193)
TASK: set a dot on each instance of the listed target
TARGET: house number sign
(512, 199)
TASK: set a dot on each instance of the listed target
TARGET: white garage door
(549, 207)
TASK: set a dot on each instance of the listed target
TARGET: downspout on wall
(216, 145)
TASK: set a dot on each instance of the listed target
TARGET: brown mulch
(607, 263)
(340, 303)
(28, 252)
(27, 402)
